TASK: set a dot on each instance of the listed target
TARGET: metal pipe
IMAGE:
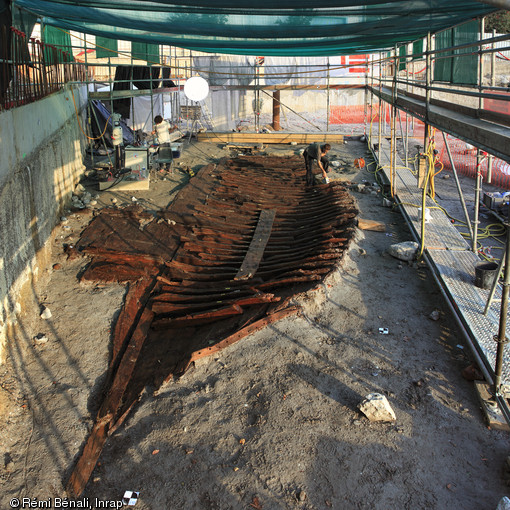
(478, 188)
(501, 339)
(328, 101)
(393, 128)
(480, 68)
(459, 188)
(379, 147)
(489, 168)
(493, 62)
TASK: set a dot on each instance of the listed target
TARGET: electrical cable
(79, 123)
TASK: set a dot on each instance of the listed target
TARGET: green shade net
(449, 66)
(144, 51)
(61, 42)
(443, 61)
(106, 47)
(269, 28)
(418, 49)
(465, 69)
(402, 52)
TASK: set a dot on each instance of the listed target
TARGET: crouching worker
(162, 130)
(316, 152)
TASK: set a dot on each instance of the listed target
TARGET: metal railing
(31, 70)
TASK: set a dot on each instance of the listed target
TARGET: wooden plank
(197, 319)
(270, 137)
(238, 335)
(376, 226)
(493, 415)
(127, 316)
(106, 415)
(257, 246)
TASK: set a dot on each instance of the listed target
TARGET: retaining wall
(42, 160)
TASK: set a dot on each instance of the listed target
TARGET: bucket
(485, 274)
(176, 150)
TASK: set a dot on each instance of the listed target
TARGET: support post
(459, 188)
(328, 102)
(428, 72)
(380, 105)
(480, 68)
(393, 128)
(478, 188)
(276, 110)
(501, 338)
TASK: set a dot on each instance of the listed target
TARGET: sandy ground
(272, 421)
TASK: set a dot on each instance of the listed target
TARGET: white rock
(63, 219)
(114, 200)
(404, 251)
(46, 313)
(134, 199)
(504, 504)
(335, 164)
(377, 408)
(434, 315)
(93, 202)
(40, 339)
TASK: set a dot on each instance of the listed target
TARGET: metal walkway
(454, 264)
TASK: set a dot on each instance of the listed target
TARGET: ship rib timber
(221, 261)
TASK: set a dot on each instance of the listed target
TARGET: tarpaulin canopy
(330, 27)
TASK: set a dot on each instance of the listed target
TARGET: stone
(434, 315)
(57, 266)
(405, 251)
(46, 313)
(377, 408)
(302, 495)
(40, 339)
(114, 200)
(63, 219)
(504, 504)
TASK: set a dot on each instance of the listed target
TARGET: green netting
(144, 51)
(418, 49)
(106, 47)
(465, 69)
(286, 27)
(23, 21)
(61, 42)
(449, 65)
(443, 61)
(402, 53)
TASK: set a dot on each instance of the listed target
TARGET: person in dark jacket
(316, 152)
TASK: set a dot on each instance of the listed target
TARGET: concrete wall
(42, 150)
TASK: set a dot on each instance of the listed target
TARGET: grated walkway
(454, 264)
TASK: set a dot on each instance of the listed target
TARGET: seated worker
(162, 131)
(316, 152)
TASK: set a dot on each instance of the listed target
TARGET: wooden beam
(257, 246)
(270, 137)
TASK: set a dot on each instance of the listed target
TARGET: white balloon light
(196, 88)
